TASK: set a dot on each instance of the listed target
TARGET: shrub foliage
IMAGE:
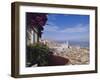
(37, 54)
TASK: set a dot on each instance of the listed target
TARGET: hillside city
(75, 54)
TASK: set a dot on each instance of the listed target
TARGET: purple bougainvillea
(36, 20)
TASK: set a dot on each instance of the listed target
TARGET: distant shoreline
(81, 44)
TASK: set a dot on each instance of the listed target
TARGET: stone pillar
(29, 36)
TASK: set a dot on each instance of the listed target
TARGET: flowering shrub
(36, 19)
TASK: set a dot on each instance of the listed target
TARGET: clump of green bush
(37, 54)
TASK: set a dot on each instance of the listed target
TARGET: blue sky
(67, 27)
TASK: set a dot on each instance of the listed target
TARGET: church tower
(67, 43)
